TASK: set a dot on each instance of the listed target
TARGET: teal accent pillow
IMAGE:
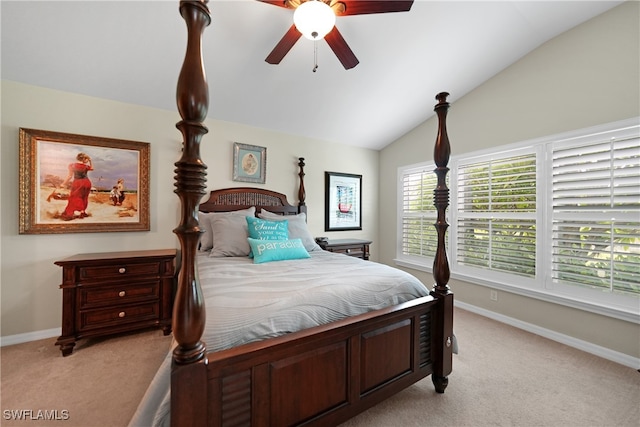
(277, 250)
(267, 230)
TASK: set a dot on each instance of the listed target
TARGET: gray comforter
(248, 302)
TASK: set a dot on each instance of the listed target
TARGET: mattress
(247, 302)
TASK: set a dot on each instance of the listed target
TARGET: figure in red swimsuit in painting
(80, 187)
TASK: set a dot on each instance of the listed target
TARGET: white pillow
(297, 228)
(205, 218)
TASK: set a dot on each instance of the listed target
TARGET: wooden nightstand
(352, 247)
(107, 293)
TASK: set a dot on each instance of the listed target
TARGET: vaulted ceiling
(132, 51)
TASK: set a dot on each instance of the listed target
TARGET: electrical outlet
(493, 295)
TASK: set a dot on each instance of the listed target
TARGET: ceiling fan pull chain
(315, 56)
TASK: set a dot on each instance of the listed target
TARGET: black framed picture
(343, 201)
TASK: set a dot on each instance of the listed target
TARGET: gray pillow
(206, 238)
(297, 228)
(206, 224)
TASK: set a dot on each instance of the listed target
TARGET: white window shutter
(419, 237)
(496, 214)
(596, 219)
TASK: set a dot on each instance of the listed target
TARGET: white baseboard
(29, 336)
(605, 353)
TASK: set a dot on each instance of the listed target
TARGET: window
(596, 213)
(418, 236)
(556, 218)
(496, 214)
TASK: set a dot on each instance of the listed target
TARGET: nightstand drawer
(118, 294)
(355, 252)
(118, 270)
(352, 247)
(113, 292)
(99, 318)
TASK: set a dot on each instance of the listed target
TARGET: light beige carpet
(502, 377)
(99, 384)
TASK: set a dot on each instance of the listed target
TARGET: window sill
(622, 313)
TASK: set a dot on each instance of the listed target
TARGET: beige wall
(585, 77)
(31, 300)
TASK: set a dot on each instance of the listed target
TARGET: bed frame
(231, 199)
(319, 376)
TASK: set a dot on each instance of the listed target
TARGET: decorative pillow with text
(277, 250)
(267, 230)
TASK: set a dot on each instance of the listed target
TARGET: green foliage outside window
(602, 255)
(496, 229)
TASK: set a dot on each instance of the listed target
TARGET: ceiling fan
(333, 37)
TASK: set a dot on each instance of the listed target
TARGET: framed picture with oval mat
(249, 163)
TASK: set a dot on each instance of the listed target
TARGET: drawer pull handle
(122, 270)
(348, 251)
(121, 314)
(121, 293)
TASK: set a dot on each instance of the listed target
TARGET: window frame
(625, 307)
(488, 274)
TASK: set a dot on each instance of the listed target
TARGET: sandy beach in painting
(100, 210)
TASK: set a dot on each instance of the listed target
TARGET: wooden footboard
(320, 376)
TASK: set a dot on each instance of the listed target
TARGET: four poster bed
(321, 373)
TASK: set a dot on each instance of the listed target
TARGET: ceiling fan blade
(362, 7)
(287, 4)
(281, 3)
(284, 45)
(342, 50)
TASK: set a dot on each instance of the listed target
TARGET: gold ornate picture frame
(82, 184)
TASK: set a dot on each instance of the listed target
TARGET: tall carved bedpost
(441, 272)
(188, 384)
(441, 153)
(302, 194)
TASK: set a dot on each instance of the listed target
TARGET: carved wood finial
(302, 195)
(192, 96)
(441, 154)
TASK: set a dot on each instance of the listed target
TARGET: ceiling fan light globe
(314, 19)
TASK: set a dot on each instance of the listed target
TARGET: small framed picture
(80, 184)
(249, 163)
(343, 202)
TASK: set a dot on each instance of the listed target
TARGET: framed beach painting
(343, 202)
(249, 163)
(81, 184)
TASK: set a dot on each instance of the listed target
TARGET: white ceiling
(132, 51)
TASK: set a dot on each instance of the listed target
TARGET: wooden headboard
(230, 199)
